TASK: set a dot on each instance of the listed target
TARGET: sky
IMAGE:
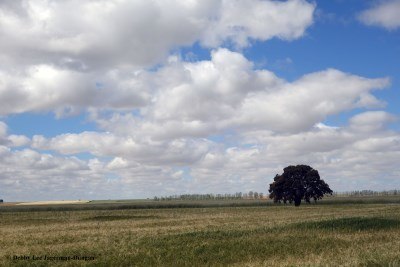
(118, 99)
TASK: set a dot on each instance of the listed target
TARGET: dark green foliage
(139, 205)
(297, 183)
(351, 224)
(212, 248)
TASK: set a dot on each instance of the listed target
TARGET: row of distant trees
(237, 195)
(368, 193)
(260, 195)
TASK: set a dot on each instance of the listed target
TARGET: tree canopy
(297, 183)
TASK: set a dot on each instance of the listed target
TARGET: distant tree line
(237, 195)
(259, 195)
(367, 193)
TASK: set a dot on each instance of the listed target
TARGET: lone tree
(297, 183)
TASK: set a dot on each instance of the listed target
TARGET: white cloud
(62, 58)
(26, 174)
(11, 140)
(138, 33)
(66, 62)
(118, 163)
(241, 21)
(300, 105)
(141, 150)
(18, 140)
(384, 14)
(45, 88)
(209, 97)
(389, 143)
(31, 175)
(3, 129)
(371, 121)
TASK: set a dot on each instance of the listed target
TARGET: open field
(364, 232)
(59, 202)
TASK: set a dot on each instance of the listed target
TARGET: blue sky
(215, 99)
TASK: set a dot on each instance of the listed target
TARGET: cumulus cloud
(226, 93)
(46, 88)
(241, 21)
(371, 121)
(384, 14)
(11, 140)
(31, 175)
(299, 105)
(202, 97)
(60, 61)
(138, 33)
(171, 152)
(22, 169)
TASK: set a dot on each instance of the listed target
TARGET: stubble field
(327, 234)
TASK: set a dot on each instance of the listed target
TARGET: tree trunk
(297, 201)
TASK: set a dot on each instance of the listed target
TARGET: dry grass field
(60, 202)
(363, 234)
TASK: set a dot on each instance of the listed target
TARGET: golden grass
(238, 236)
